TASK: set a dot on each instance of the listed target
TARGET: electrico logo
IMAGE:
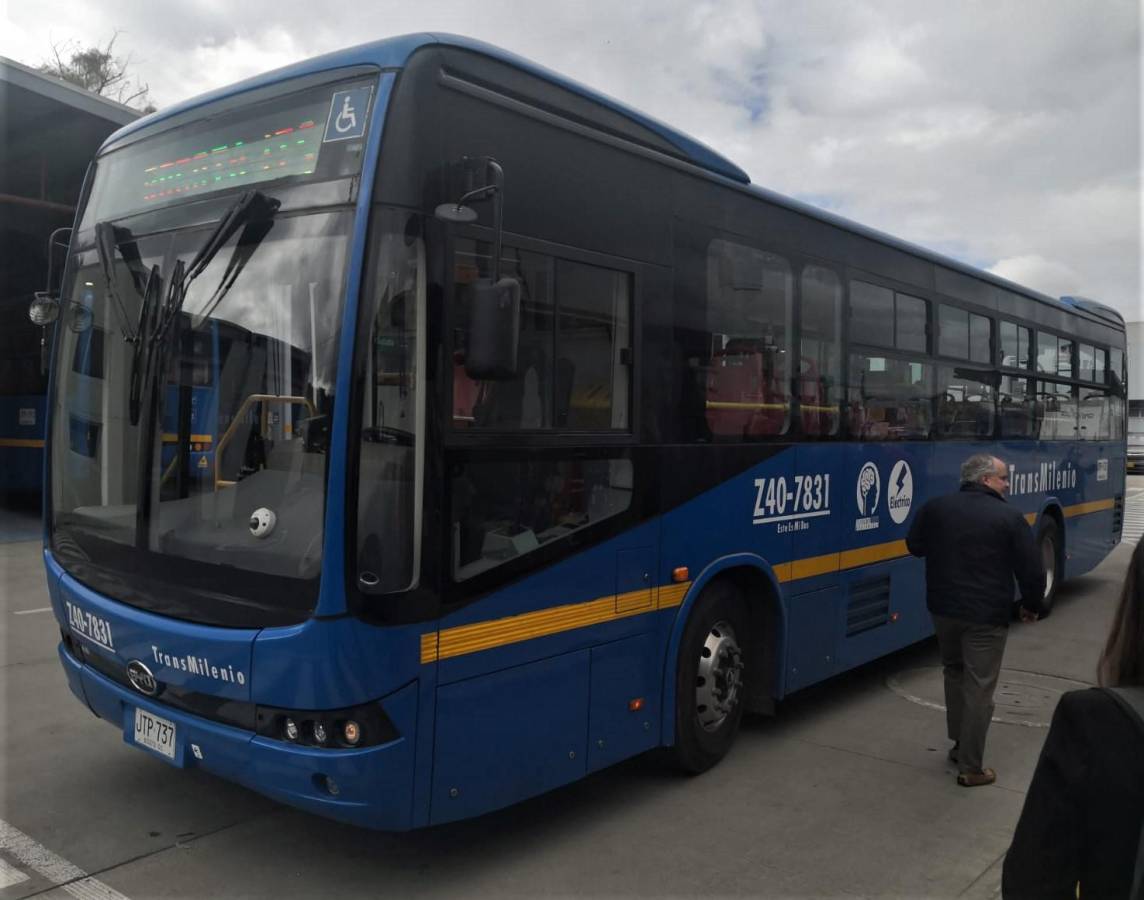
(900, 492)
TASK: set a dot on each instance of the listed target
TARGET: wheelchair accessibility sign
(348, 113)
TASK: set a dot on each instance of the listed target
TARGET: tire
(1049, 545)
(710, 679)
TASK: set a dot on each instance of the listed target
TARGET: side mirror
(494, 330)
(44, 308)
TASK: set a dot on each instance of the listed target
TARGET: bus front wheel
(710, 678)
(1049, 545)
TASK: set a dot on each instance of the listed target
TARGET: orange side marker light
(635, 705)
(680, 574)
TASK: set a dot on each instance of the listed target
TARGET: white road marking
(1133, 528)
(10, 875)
(53, 867)
(28, 612)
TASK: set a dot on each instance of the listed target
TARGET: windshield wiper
(140, 358)
(254, 213)
(108, 239)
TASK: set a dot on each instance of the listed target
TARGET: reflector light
(679, 575)
(895, 616)
(351, 732)
(635, 705)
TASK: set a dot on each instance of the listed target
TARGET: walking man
(974, 544)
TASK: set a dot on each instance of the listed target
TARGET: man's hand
(1027, 616)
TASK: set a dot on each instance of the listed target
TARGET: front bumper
(374, 784)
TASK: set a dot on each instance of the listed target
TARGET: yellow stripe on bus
(465, 639)
(1082, 509)
(195, 438)
(22, 442)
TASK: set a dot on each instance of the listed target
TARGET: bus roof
(394, 52)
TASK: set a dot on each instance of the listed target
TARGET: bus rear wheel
(1049, 545)
(710, 678)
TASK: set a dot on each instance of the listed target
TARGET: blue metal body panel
(22, 429)
(375, 784)
(200, 658)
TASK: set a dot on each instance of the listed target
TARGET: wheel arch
(760, 587)
(1052, 510)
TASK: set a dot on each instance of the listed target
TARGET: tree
(99, 70)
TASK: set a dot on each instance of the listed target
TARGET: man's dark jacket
(974, 544)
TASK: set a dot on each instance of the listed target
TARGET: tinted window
(749, 299)
(1015, 342)
(573, 355)
(592, 339)
(911, 322)
(1046, 352)
(819, 377)
(504, 509)
(1094, 415)
(1064, 358)
(1018, 414)
(1086, 357)
(871, 314)
(964, 407)
(1058, 410)
(980, 333)
(1116, 373)
(953, 328)
(889, 398)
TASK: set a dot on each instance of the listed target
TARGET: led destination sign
(307, 135)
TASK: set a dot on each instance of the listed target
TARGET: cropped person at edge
(1083, 821)
(974, 543)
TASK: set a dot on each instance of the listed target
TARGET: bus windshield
(189, 448)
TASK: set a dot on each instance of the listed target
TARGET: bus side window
(505, 509)
(749, 302)
(820, 350)
(890, 398)
(574, 351)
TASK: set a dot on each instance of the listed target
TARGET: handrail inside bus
(266, 400)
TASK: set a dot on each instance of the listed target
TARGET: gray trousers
(971, 663)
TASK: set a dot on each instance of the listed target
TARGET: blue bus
(538, 436)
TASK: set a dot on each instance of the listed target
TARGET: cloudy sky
(1006, 133)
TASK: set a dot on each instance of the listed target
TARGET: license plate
(155, 733)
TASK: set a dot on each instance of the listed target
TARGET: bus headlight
(334, 729)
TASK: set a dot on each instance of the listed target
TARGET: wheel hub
(719, 678)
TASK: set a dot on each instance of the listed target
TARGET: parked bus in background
(554, 439)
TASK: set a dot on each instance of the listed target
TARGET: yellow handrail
(237, 420)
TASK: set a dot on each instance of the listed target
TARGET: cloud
(1006, 133)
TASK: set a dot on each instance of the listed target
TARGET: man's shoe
(976, 779)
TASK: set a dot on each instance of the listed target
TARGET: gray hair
(978, 466)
